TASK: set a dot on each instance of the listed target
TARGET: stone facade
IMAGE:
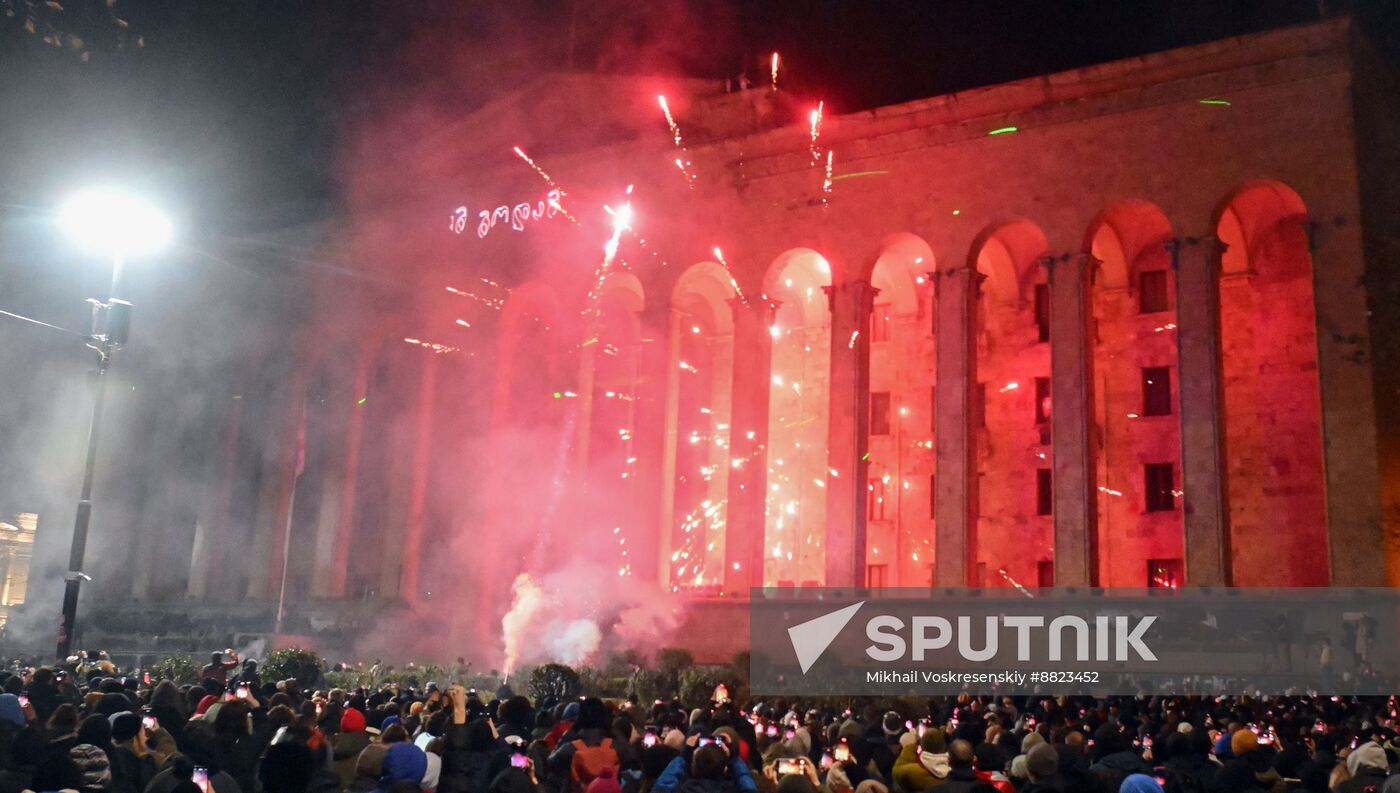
(1101, 327)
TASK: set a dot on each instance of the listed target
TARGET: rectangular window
(1157, 484)
(932, 496)
(1045, 573)
(880, 413)
(876, 498)
(1044, 492)
(880, 322)
(1157, 391)
(1042, 311)
(876, 575)
(1152, 291)
(1165, 573)
(1042, 400)
(979, 405)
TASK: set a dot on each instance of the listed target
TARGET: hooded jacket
(913, 775)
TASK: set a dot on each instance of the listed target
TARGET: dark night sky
(232, 111)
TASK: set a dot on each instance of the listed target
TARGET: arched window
(703, 372)
(1011, 537)
(899, 522)
(1272, 405)
(797, 419)
(1138, 460)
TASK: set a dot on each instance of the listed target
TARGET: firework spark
(733, 282)
(670, 120)
(773, 70)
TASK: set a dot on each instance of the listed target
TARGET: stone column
(335, 523)
(276, 502)
(212, 525)
(419, 477)
(653, 474)
(955, 437)
(1197, 266)
(670, 447)
(745, 530)
(1349, 409)
(849, 432)
(1072, 420)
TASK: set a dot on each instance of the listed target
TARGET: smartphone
(789, 735)
(789, 767)
(1147, 741)
(826, 760)
(23, 701)
(772, 731)
(201, 778)
(149, 722)
(649, 740)
(842, 753)
(147, 677)
(243, 694)
(519, 760)
(706, 741)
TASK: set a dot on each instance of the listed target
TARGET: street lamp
(117, 225)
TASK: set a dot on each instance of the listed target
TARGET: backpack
(589, 762)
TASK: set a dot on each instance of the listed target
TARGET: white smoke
(563, 616)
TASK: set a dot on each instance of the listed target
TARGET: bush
(293, 662)
(649, 685)
(555, 681)
(179, 667)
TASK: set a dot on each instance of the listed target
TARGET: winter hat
(352, 721)
(1368, 755)
(404, 762)
(92, 763)
(851, 730)
(125, 726)
(389, 722)
(871, 786)
(1184, 727)
(1222, 746)
(1018, 767)
(570, 712)
(1042, 761)
(1243, 741)
(892, 724)
(606, 782)
(1140, 783)
(1032, 740)
(10, 710)
(205, 704)
(933, 741)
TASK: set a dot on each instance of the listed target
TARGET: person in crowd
(1366, 766)
(220, 664)
(962, 776)
(133, 766)
(1043, 771)
(922, 764)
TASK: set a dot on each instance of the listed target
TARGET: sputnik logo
(811, 638)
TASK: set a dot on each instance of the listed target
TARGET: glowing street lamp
(117, 225)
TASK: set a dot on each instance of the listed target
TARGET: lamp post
(116, 225)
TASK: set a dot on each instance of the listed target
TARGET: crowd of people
(88, 728)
